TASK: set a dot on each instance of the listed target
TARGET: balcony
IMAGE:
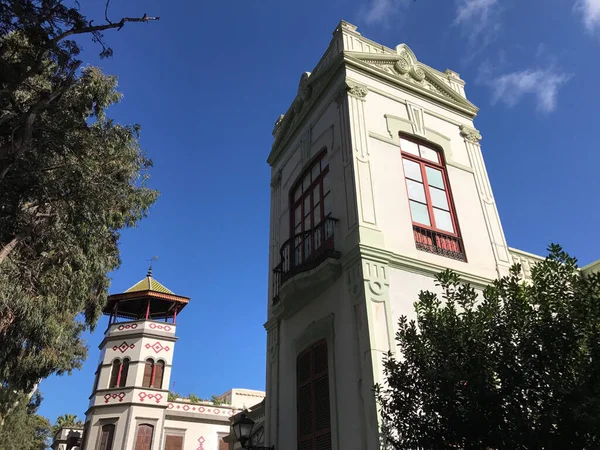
(439, 243)
(304, 252)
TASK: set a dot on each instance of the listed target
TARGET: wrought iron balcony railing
(439, 243)
(303, 252)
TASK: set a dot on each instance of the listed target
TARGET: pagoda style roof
(149, 284)
(146, 296)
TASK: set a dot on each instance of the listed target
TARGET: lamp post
(242, 428)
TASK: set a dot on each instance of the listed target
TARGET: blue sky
(207, 83)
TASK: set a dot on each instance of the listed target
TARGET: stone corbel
(357, 90)
(276, 180)
(470, 134)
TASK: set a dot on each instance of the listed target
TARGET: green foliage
(194, 399)
(173, 396)
(517, 368)
(70, 180)
(217, 400)
(23, 429)
(66, 420)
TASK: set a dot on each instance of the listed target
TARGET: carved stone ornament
(357, 90)
(276, 180)
(470, 134)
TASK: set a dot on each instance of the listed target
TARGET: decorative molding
(470, 134)
(273, 344)
(321, 329)
(144, 395)
(200, 409)
(132, 326)
(160, 327)
(357, 90)
(375, 275)
(201, 442)
(113, 396)
(157, 347)
(123, 347)
(415, 114)
(276, 180)
(411, 74)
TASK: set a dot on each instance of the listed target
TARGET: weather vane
(151, 260)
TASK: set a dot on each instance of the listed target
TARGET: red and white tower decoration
(132, 378)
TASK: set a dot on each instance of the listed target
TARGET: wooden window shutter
(143, 440)
(173, 442)
(223, 445)
(148, 373)
(158, 374)
(114, 373)
(124, 372)
(313, 410)
(106, 437)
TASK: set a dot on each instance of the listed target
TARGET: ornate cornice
(470, 134)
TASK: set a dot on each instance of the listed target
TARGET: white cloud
(379, 11)
(590, 13)
(544, 84)
(479, 19)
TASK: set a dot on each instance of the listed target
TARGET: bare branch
(106, 11)
(92, 29)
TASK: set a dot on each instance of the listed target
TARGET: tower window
(144, 435)
(313, 411)
(148, 372)
(153, 374)
(118, 373)
(310, 201)
(107, 434)
(435, 226)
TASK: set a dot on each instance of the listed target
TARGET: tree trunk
(9, 248)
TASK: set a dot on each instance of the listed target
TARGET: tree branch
(92, 29)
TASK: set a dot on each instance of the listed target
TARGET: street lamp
(242, 428)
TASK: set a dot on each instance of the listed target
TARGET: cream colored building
(130, 406)
(378, 183)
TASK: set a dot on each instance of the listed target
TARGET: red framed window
(434, 220)
(311, 203)
(118, 373)
(312, 402)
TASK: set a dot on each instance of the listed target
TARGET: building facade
(130, 406)
(378, 183)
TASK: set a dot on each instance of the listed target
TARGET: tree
(70, 180)
(23, 429)
(517, 367)
(66, 420)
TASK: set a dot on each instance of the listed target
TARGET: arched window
(435, 226)
(159, 371)
(107, 434)
(114, 373)
(313, 410)
(143, 439)
(310, 201)
(148, 372)
(118, 373)
(123, 375)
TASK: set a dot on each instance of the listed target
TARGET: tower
(378, 183)
(130, 393)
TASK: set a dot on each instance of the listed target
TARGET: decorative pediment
(404, 67)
